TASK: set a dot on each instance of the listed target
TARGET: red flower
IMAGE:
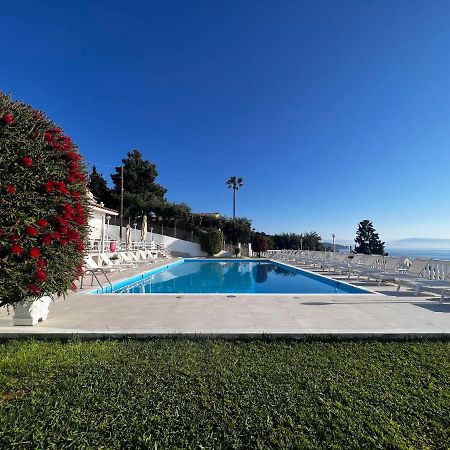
(49, 186)
(71, 179)
(48, 136)
(41, 275)
(61, 187)
(73, 287)
(37, 114)
(73, 235)
(80, 246)
(42, 223)
(36, 134)
(62, 230)
(11, 189)
(14, 237)
(57, 146)
(61, 220)
(26, 161)
(16, 249)
(63, 242)
(33, 288)
(54, 130)
(68, 208)
(41, 263)
(31, 231)
(35, 252)
(8, 118)
(47, 239)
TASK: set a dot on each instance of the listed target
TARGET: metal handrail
(92, 271)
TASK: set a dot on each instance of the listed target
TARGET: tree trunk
(234, 203)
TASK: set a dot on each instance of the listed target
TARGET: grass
(218, 394)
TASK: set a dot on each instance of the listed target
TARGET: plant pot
(31, 311)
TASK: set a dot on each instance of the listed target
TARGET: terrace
(387, 313)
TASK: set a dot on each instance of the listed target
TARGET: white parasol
(128, 236)
(144, 229)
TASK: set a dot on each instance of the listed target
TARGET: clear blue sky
(332, 112)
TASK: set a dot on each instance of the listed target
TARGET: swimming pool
(225, 276)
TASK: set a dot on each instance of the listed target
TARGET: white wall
(177, 247)
(95, 224)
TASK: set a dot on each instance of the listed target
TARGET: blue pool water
(231, 277)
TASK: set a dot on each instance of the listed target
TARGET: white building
(99, 219)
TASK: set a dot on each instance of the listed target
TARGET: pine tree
(367, 239)
(99, 188)
(141, 193)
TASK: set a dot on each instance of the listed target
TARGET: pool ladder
(93, 273)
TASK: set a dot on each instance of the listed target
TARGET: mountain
(418, 243)
(338, 246)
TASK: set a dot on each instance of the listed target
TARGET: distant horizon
(332, 112)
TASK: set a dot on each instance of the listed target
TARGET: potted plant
(43, 212)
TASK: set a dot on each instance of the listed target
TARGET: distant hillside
(418, 243)
(338, 246)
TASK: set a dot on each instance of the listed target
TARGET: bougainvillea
(43, 205)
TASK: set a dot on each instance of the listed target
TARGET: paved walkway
(389, 314)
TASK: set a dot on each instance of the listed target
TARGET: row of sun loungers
(422, 274)
(121, 261)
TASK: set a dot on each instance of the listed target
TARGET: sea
(419, 253)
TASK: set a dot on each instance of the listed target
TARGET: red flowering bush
(43, 205)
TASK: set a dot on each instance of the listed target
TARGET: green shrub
(43, 206)
(211, 241)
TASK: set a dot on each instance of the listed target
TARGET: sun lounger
(437, 279)
(108, 262)
(386, 264)
(89, 263)
(363, 264)
(415, 270)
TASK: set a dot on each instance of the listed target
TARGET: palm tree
(235, 183)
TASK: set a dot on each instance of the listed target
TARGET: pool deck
(387, 314)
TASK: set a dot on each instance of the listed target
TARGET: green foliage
(216, 394)
(141, 192)
(211, 241)
(367, 240)
(294, 241)
(43, 208)
(175, 212)
(236, 230)
(235, 183)
(259, 244)
(99, 188)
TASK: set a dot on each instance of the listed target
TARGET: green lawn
(218, 394)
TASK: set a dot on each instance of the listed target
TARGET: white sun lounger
(108, 262)
(411, 273)
(386, 264)
(89, 263)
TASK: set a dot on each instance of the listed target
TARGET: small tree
(211, 241)
(259, 244)
(367, 240)
(237, 230)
